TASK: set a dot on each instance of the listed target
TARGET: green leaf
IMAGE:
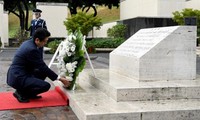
(82, 21)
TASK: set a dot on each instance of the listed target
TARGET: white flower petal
(69, 54)
(73, 48)
(71, 75)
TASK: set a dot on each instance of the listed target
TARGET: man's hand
(65, 81)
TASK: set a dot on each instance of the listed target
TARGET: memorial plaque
(167, 53)
(143, 41)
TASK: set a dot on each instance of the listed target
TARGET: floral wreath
(71, 58)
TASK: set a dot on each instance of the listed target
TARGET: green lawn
(107, 15)
(14, 24)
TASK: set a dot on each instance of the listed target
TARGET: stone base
(89, 103)
(122, 88)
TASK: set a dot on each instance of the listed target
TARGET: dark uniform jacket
(37, 23)
(27, 59)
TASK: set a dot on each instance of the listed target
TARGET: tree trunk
(21, 15)
(73, 10)
(27, 14)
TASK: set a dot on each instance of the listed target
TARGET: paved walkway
(48, 113)
(99, 60)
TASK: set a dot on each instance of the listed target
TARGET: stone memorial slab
(165, 53)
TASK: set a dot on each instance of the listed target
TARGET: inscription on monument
(143, 41)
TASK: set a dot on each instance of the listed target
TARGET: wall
(3, 25)
(138, 23)
(5, 29)
(1, 20)
(103, 30)
(195, 4)
(54, 14)
(152, 8)
(166, 7)
(135, 8)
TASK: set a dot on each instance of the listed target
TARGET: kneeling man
(28, 70)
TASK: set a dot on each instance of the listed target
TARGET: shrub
(83, 21)
(53, 45)
(21, 36)
(90, 47)
(105, 43)
(117, 31)
(188, 12)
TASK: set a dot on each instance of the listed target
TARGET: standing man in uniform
(37, 22)
(28, 71)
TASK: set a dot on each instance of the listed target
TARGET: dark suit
(37, 23)
(28, 70)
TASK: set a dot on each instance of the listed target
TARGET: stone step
(122, 88)
(88, 103)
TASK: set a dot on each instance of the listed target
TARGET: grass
(14, 24)
(107, 15)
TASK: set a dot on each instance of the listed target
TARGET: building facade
(154, 8)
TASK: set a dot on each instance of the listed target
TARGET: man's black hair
(41, 33)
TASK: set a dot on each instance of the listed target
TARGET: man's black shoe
(20, 98)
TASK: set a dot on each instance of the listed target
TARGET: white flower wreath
(71, 59)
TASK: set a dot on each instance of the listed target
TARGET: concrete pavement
(101, 60)
(47, 113)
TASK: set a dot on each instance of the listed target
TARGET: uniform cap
(37, 10)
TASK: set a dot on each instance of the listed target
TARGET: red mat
(54, 97)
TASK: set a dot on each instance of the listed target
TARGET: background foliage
(83, 21)
(21, 8)
(117, 31)
(178, 16)
(105, 14)
(92, 44)
(21, 35)
(53, 45)
(105, 42)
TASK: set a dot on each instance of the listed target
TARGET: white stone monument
(1, 20)
(167, 53)
(154, 8)
(150, 78)
(54, 14)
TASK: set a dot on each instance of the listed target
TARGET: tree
(21, 7)
(87, 4)
(91, 4)
(179, 17)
